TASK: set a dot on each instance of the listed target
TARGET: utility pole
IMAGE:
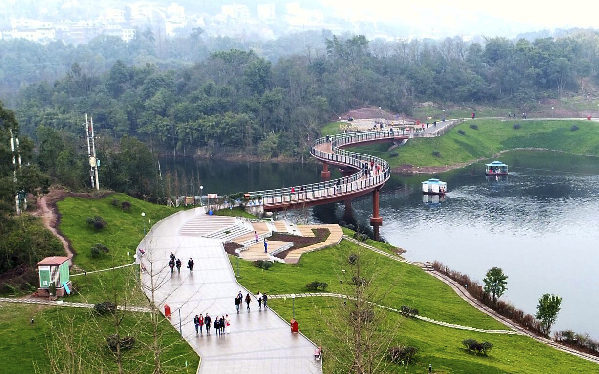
(94, 163)
(16, 163)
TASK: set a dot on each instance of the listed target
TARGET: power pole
(16, 163)
(91, 153)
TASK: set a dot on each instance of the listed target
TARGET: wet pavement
(259, 342)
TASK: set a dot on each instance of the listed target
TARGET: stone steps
(206, 225)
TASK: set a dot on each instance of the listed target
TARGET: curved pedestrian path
(260, 341)
(367, 173)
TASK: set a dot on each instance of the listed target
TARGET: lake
(539, 224)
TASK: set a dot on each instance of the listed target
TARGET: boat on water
(434, 186)
(496, 168)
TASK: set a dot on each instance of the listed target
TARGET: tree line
(240, 100)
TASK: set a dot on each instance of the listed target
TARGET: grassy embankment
(491, 137)
(122, 234)
(403, 284)
(26, 345)
(235, 212)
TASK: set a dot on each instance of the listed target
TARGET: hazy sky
(474, 16)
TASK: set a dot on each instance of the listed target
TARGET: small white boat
(496, 168)
(434, 186)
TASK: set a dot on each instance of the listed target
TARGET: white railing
(371, 172)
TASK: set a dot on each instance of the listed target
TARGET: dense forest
(238, 99)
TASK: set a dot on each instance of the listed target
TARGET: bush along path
(416, 316)
(478, 305)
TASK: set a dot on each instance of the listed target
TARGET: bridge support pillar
(376, 219)
(325, 173)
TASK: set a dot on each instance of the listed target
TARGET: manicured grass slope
(122, 234)
(406, 284)
(98, 287)
(402, 284)
(235, 212)
(437, 345)
(491, 137)
(25, 345)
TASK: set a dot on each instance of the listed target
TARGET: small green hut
(54, 271)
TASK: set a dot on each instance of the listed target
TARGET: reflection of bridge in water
(362, 174)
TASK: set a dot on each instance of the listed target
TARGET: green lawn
(26, 346)
(400, 284)
(491, 137)
(122, 234)
(99, 287)
(406, 284)
(437, 345)
(331, 128)
(235, 212)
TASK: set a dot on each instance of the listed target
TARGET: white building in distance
(235, 11)
(266, 12)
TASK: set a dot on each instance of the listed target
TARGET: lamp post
(238, 254)
(180, 330)
(201, 193)
(293, 298)
(143, 214)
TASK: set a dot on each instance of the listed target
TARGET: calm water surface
(540, 224)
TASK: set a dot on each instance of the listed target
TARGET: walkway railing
(372, 171)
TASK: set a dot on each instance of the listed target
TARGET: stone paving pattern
(260, 341)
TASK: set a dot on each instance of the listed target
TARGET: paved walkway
(260, 341)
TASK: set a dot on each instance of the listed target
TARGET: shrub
(352, 258)
(265, 265)
(361, 237)
(98, 249)
(436, 153)
(409, 312)
(314, 286)
(461, 132)
(126, 206)
(97, 222)
(474, 127)
(402, 354)
(476, 347)
(115, 202)
(517, 126)
(574, 128)
(105, 308)
(359, 281)
(127, 342)
(393, 154)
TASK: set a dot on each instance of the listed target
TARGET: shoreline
(407, 169)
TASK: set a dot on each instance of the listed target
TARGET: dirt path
(50, 219)
(47, 210)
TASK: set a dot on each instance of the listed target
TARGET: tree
(547, 310)
(495, 283)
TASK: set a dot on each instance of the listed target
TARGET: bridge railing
(371, 172)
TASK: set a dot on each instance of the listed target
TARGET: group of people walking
(222, 324)
(177, 263)
(262, 299)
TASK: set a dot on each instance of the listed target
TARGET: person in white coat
(227, 324)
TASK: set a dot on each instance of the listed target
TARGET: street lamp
(143, 214)
(180, 330)
(201, 193)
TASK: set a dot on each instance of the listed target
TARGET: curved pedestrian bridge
(362, 173)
